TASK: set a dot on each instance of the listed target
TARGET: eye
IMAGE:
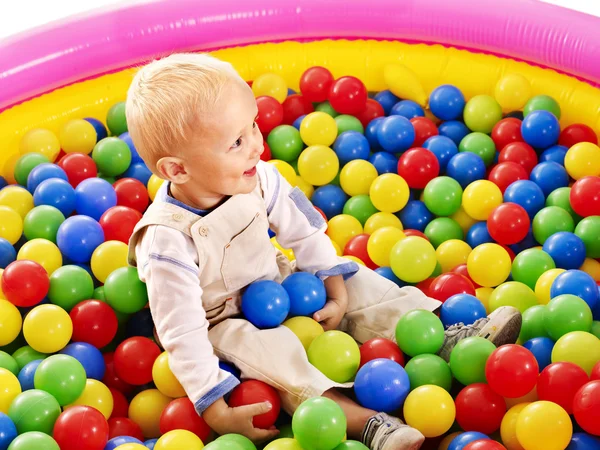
(237, 143)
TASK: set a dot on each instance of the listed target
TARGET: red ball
(509, 251)
(418, 166)
(506, 131)
(576, 133)
(315, 83)
(254, 391)
(479, 408)
(270, 113)
(348, 95)
(94, 322)
(81, 427)
(134, 358)
(462, 269)
(118, 223)
(484, 444)
(511, 371)
(123, 426)
(585, 196)
(411, 232)
(111, 379)
(508, 223)
(520, 153)
(424, 129)
(559, 382)
(373, 110)
(380, 348)
(506, 173)
(586, 407)
(357, 246)
(78, 167)
(266, 154)
(120, 404)
(132, 193)
(295, 106)
(180, 414)
(25, 283)
(425, 285)
(448, 284)
(596, 372)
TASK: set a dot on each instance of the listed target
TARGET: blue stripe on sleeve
(174, 261)
(216, 393)
(346, 269)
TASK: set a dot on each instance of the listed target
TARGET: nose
(257, 147)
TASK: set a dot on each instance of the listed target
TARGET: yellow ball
(17, 198)
(452, 253)
(530, 397)
(108, 257)
(2, 297)
(508, 428)
(582, 160)
(43, 252)
(592, 268)
(145, 410)
(357, 176)
(389, 192)
(286, 170)
(489, 265)
(306, 328)
(380, 220)
(154, 184)
(77, 135)
(338, 250)
(318, 165)
(356, 259)
(96, 395)
(544, 283)
(512, 92)
(342, 228)
(164, 379)
(463, 219)
(318, 128)
(10, 322)
(515, 294)
(483, 294)
(381, 242)
(578, 347)
(307, 188)
(11, 224)
(131, 446)
(430, 409)
(480, 198)
(47, 328)
(445, 443)
(544, 425)
(271, 85)
(413, 259)
(9, 389)
(283, 444)
(179, 439)
(40, 140)
(288, 252)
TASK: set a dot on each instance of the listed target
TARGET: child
(205, 238)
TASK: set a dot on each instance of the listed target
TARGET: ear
(173, 169)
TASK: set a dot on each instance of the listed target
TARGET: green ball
(468, 358)
(70, 285)
(285, 143)
(566, 313)
(443, 196)
(596, 328)
(116, 120)
(480, 144)
(327, 108)
(319, 423)
(336, 180)
(351, 445)
(550, 220)
(346, 122)
(443, 229)
(242, 441)
(294, 165)
(542, 102)
(99, 295)
(9, 363)
(25, 164)
(285, 431)
(428, 369)
(62, 376)
(530, 264)
(419, 331)
(336, 355)
(361, 207)
(533, 323)
(110, 180)
(34, 410)
(481, 113)
(515, 294)
(437, 271)
(14, 345)
(112, 156)
(124, 291)
(33, 440)
(26, 354)
(560, 197)
(589, 232)
(42, 222)
(229, 444)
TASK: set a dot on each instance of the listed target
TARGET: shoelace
(373, 426)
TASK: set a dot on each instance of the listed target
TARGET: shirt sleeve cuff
(346, 269)
(216, 393)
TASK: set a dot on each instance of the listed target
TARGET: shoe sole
(503, 327)
(410, 439)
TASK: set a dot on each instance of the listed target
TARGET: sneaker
(383, 432)
(501, 327)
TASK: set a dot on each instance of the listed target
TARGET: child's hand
(337, 301)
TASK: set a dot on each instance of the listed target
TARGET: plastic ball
(265, 304)
(583, 441)
(154, 184)
(480, 198)
(360, 207)
(33, 440)
(419, 331)
(122, 426)
(429, 409)
(511, 371)
(461, 308)
(43, 252)
(11, 225)
(181, 414)
(489, 265)
(325, 107)
(447, 102)
(378, 348)
(62, 376)
(8, 253)
(481, 113)
(8, 431)
(583, 159)
(270, 84)
(479, 408)
(42, 222)
(179, 439)
(77, 135)
(306, 293)
(270, 113)
(589, 232)
(39, 174)
(318, 128)
(413, 259)
(116, 120)
(465, 168)
(380, 220)
(40, 140)
(549, 176)
(10, 389)
(96, 395)
(556, 154)
(389, 192)
(237, 441)
(384, 162)
(541, 348)
(415, 215)
(336, 355)
(118, 223)
(418, 167)
(566, 249)
(47, 328)
(443, 196)
(93, 197)
(284, 143)
(342, 228)
(134, 359)
(254, 391)
(428, 369)
(443, 229)
(512, 91)
(70, 285)
(395, 134)
(78, 167)
(506, 173)
(530, 264)
(34, 410)
(480, 144)
(578, 283)
(468, 359)
(24, 356)
(550, 220)
(513, 293)
(561, 197)
(90, 358)
(585, 196)
(319, 423)
(10, 322)
(381, 385)
(443, 148)
(25, 164)
(348, 95)
(424, 129)
(318, 165)
(578, 347)
(542, 103)
(559, 382)
(112, 156)
(526, 194)
(372, 111)
(408, 109)
(386, 99)
(453, 130)
(544, 425)
(24, 283)
(452, 253)
(295, 106)
(132, 193)
(586, 407)
(108, 257)
(124, 291)
(508, 223)
(306, 329)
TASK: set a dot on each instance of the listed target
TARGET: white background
(26, 14)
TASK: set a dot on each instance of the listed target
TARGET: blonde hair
(166, 97)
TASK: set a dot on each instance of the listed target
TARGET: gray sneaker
(383, 432)
(501, 327)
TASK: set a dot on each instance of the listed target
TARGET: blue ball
(371, 133)
(298, 121)
(387, 100)
(447, 102)
(576, 282)
(540, 129)
(26, 375)
(465, 168)
(93, 197)
(462, 308)
(567, 250)
(90, 358)
(43, 172)
(113, 443)
(8, 431)
(351, 145)
(78, 237)
(387, 272)
(330, 199)
(139, 171)
(8, 253)
(230, 368)
(454, 130)
(541, 347)
(101, 131)
(150, 443)
(584, 441)
(527, 194)
(135, 156)
(56, 192)
(528, 242)
(415, 215)
(443, 148)
(384, 162)
(555, 153)
(478, 234)
(381, 385)
(3, 183)
(549, 176)
(306, 292)
(395, 134)
(265, 304)
(461, 441)
(140, 324)
(407, 109)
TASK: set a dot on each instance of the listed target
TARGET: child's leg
(356, 415)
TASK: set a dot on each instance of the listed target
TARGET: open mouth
(251, 172)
